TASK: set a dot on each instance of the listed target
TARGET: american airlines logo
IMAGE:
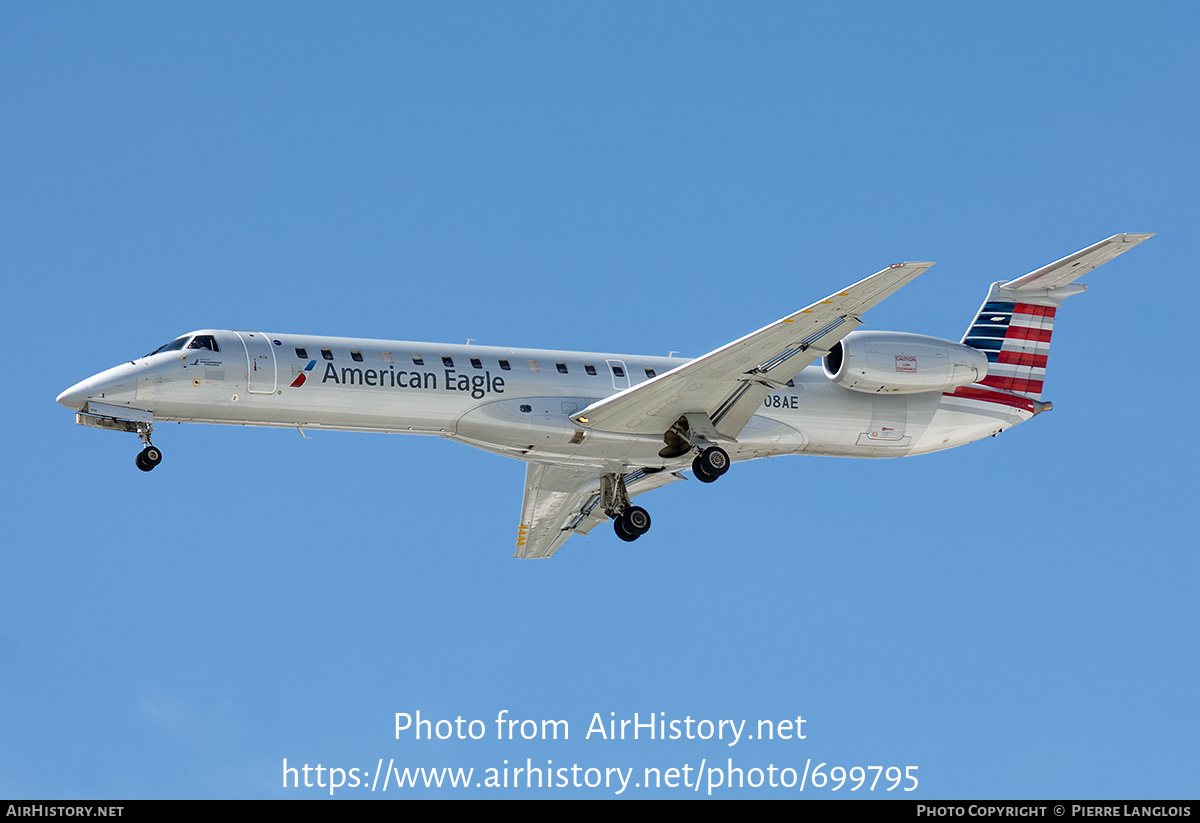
(299, 381)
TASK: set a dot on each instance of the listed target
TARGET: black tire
(619, 528)
(141, 463)
(151, 456)
(716, 460)
(635, 520)
(701, 471)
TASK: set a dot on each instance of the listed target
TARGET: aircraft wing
(729, 384)
(1076, 265)
(560, 502)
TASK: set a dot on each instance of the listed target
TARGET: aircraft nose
(75, 397)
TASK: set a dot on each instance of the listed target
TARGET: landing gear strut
(150, 456)
(696, 431)
(629, 522)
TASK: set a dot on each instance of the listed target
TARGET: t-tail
(1015, 323)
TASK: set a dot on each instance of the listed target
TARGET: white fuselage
(597, 430)
(513, 402)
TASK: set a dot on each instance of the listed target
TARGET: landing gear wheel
(619, 528)
(148, 458)
(636, 520)
(710, 464)
(632, 523)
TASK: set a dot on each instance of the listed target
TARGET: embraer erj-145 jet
(597, 430)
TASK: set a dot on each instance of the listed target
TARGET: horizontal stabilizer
(1073, 266)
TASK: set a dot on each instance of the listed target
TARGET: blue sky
(1015, 618)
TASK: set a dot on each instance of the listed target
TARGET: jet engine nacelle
(899, 363)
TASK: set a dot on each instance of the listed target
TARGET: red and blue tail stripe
(1015, 337)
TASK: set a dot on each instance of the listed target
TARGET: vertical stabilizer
(1014, 325)
(1015, 337)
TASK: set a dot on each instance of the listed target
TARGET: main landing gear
(632, 523)
(695, 431)
(710, 464)
(629, 522)
(150, 456)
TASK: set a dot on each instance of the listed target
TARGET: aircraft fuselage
(514, 402)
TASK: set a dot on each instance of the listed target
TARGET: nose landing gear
(150, 456)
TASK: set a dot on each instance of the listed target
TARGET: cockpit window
(175, 345)
(204, 341)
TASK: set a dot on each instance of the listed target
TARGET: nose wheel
(148, 458)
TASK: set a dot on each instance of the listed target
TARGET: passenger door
(261, 375)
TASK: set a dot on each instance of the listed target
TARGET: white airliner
(598, 429)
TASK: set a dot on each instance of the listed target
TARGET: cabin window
(619, 371)
(504, 364)
(533, 366)
(418, 360)
(650, 372)
(448, 362)
(301, 352)
(589, 368)
(476, 362)
(792, 383)
(204, 341)
(387, 357)
(356, 356)
(327, 354)
(562, 367)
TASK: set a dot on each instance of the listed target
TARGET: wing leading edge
(728, 384)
